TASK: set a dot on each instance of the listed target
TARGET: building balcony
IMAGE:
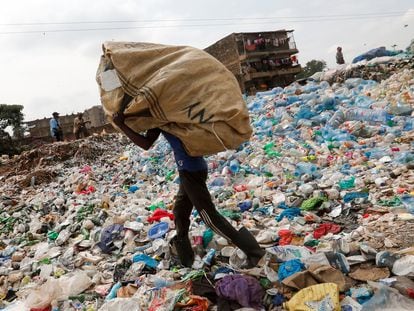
(268, 74)
(259, 53)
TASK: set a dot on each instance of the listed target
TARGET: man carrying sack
(192, 100)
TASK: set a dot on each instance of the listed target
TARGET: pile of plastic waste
(377, 69)
(325, 184)
(375, 53)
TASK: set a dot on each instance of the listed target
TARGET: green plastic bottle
(347, 183)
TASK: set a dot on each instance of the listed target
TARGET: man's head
(80, 115)
(339, 49)
(55, 115)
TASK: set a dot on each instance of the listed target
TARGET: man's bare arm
(142, 141)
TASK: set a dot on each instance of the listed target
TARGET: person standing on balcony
(294, 60)
(339, 56)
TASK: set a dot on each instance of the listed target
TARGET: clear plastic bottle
(305, 168)
(54, 306)
(62, 237)
(368, 115)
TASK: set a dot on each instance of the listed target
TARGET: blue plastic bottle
(208, 258)
(408, 202)
(234, 166)
(355, 195)
(112, 293)
(305, 168)
(217, 182)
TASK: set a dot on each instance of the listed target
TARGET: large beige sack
(179, 89)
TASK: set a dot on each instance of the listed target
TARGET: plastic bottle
(281, 103)
(133, 189)
(272, 153)
(305, 168)
(408, 202)
(408, 125)
(234, 166)
(405, 157)
(256, 105)
(62, 237)
(347, 183)
(376, 153)
(268, 146)
(208, 258)
(367, 115)
(400, 109)
(355, 195)
(112, 294)
(385, 259)
(245, 205)
(381, 181)
(198, 242)
(306, 189)
(207, 237)
(363, 101)
(398, 171)
(218, 182)
(160, 282)
(54, 305)
(305, 112)
(385, 298)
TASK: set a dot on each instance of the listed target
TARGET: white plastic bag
(121, 304)
(404, 266)
(74, 283)
(388, 299)
(44, 295)
(17, 306)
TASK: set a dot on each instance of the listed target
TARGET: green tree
(311, 67)
(10, 116)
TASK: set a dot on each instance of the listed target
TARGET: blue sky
(51, 67)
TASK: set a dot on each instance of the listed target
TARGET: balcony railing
(278, 72)
(268, 43)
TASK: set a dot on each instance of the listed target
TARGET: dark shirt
(182, 158)
(340, 58)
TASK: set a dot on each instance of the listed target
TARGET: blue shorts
(182, 158)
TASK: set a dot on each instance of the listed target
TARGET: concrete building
(96, 115)
(259, 60)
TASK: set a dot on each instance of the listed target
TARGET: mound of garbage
(371, 68)
(325, 184)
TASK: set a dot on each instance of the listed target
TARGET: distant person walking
(339, 56)
(55, 128)
(79, 127)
